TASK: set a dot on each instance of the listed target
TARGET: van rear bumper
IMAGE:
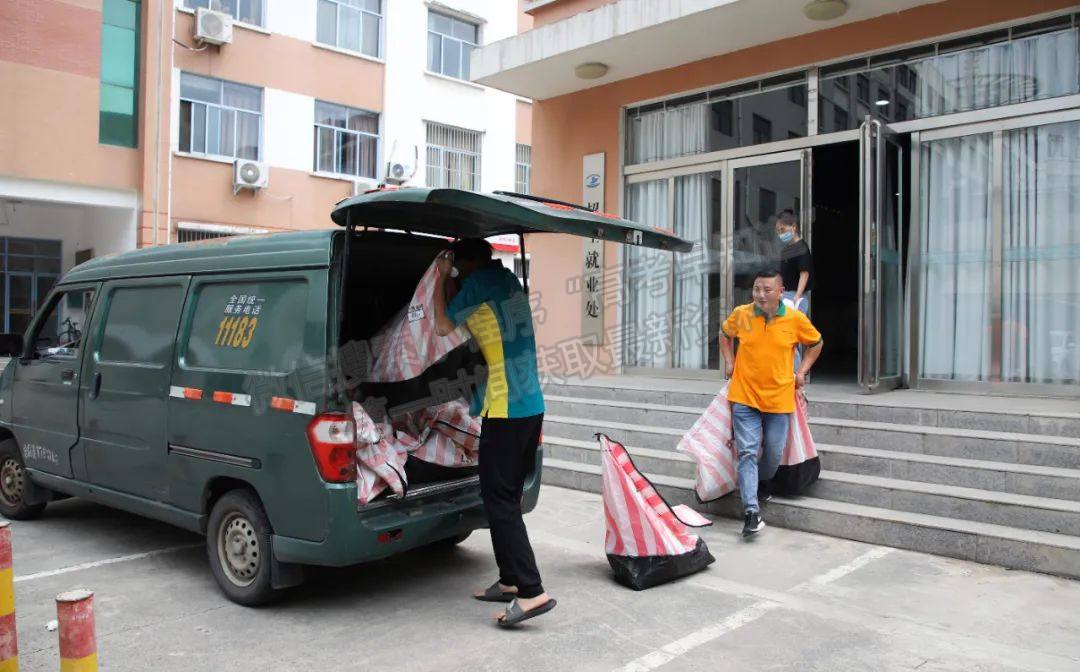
(388, 528)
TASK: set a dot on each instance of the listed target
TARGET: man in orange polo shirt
(762, 387)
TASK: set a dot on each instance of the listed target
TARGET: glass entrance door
(759, 188)
(880, 284)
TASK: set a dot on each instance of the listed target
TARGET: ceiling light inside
(825, 10)
(881, 103)
(591, 70)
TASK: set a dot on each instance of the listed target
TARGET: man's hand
(800, 379)
(445, 262)
(729, 369)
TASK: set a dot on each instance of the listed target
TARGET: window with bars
(450, 43)
(453, 157)
(523, 169)
(195, 235)
(346, 140)
(355, 25)
(245, 11)
(220, 118)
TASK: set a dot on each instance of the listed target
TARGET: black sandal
(514, 614)
(495, 594)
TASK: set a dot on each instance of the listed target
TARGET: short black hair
(769, 273)
(471, 249)
(787, 217)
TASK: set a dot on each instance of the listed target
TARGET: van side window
(140, 324)
(60, 333)
(248, 326)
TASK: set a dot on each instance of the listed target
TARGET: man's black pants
(507, 455)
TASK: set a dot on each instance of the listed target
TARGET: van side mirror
(11, 345)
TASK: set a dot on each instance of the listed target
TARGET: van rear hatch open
(455, 213)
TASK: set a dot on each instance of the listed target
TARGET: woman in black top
(796, 265)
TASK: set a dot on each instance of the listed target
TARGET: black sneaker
(753, 525)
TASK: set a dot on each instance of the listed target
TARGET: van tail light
(333, 444)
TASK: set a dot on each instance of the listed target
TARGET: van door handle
(67, 375)
(95, 387)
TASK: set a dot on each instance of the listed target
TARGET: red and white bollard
(78, 642)
(9, 643)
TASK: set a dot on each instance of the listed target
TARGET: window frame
(444, 151)
(343, 4)
(223, 109)
(41, 319)
(377, 136)
(193, 5)
(134, 88)
(464, 68)
(523, 150)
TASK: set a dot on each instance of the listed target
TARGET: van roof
(239, 253)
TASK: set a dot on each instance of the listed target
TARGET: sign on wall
(592, 309)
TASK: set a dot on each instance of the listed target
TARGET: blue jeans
(804, 308)
(750, 426)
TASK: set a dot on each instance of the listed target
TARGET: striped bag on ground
(647, 541)
(710, 442)
(408, 345)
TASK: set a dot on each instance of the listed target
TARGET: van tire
(451, 542)
(238, 547)
(13, 484)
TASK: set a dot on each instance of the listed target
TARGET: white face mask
(453, 272)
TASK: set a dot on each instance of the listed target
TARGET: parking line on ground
(101, 563)
(665, 654)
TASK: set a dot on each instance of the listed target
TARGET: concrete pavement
(789, 600)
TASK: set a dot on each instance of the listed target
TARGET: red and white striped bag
(710, 441)
(647, 541)
(408, 345)
(380, 457)
(448, 436)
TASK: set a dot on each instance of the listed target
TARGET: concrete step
(1050, 451)
(988, 506)
(1020, 479)
(929, 411)
(1059, 516)
(953, 537)
(1003, 477)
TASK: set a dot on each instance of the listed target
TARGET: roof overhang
(635, 37)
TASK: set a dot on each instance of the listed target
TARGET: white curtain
(955, 195)
(693, 222)
(1041, 269)
(668, 133)
(647, 279)
(1033, 68)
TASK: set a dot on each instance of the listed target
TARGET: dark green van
(206, 384)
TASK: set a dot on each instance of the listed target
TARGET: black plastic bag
(796, 478)
(647, 571)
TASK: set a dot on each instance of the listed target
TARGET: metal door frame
(996, 128)
(874, 138)
(804, 158)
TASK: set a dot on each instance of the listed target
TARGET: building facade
(123, 129)
(930, 149)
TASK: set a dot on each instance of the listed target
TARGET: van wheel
(238, 545)
(13, 484)
(450, 542)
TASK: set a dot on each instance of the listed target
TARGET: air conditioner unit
(250, 175)
(397, 173)
(363, 186)
(213, 27)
